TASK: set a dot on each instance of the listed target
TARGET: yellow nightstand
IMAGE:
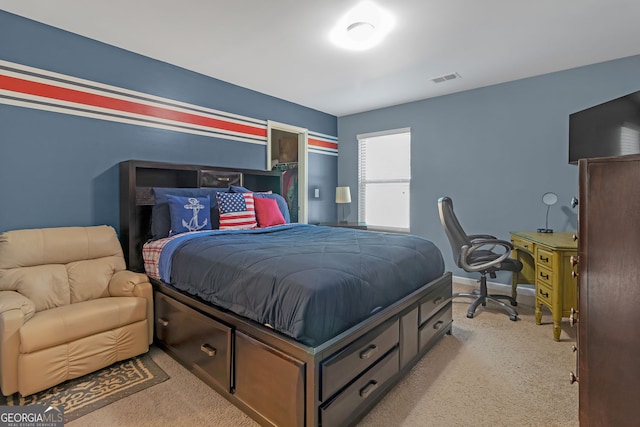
(546, 263)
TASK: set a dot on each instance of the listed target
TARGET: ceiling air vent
(446, 77)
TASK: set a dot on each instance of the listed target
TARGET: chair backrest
(452, 228)
(59, 266)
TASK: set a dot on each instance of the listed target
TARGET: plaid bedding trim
(152, 250)
(151, 254)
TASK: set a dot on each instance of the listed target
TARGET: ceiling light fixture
(360, 31)
(362, 27)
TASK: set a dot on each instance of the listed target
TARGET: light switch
(316, 193)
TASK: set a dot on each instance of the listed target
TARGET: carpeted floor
(489, 372)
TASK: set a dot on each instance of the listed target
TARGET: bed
(295, 324)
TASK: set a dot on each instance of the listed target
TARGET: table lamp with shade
(343, 196)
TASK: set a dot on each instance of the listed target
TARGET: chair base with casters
(482, 296)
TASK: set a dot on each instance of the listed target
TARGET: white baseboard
(501, 287)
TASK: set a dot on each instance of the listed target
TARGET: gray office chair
(475, 253)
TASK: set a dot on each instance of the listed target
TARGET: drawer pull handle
(163, 322)
(438, 324)
(545, 259)
(366, 390)
(544, 276)
(573, 378)
(368, 352)
(544, 294)
(438, 300)
(573, 317)
(208, 350)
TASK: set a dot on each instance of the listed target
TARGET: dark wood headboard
(137, 178)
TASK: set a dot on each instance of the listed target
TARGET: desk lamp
(548, 199)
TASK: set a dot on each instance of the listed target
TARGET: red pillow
(267, 212)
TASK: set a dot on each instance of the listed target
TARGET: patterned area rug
(93, 391)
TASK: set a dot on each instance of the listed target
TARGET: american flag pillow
(237, 211)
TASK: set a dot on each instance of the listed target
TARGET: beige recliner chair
(68, 306)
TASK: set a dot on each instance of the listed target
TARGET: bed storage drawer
(337, 411)
(436, 326)
(201, 343)
(434, 301)
(349, 362)
(269, 382)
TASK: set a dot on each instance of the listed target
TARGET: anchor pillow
(189, 213)
(161, 216)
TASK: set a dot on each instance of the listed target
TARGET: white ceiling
(281, 47)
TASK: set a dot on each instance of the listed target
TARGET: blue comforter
(308, 282)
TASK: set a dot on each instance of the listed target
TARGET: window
(384, 179)
(629, 139)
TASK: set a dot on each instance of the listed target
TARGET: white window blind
(629, 139)
(384, 166)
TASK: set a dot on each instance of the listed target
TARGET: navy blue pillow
(238, 189)
(161, 217)
(282, 203)
(189, 214)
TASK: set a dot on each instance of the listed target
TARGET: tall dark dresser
(608, 313)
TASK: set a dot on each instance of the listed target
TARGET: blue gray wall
(493, 150)
(59, 170)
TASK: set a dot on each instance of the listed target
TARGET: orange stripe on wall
(323, 144)
(71, 95)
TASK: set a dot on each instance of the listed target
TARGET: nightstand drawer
(544, 293)
(544, 257)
